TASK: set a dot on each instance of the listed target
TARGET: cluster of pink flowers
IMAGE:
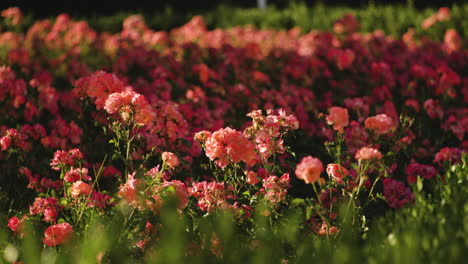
(226, 146)
(49, 207)
(14, 138)
(99, 86)
(63, 159)
(38, 183)
(135, 191)
(129, 104)
(275, 189)
(212, 195)
(267, 131)
(76, 174)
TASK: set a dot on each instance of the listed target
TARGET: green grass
(433, 230)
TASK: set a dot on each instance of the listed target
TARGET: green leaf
(297, 201)
(308, 212)
(64, 201)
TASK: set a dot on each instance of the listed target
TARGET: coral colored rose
(129, 191)
(452, 40)
(144, 116)
(228, 145)
(171, 159)
(78, 188)
(337, 172)
(367, 153)
(380, 124)
(251, 178)
(338, 117)
(57, 234)
(309, 169)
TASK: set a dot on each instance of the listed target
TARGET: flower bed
(148, 128)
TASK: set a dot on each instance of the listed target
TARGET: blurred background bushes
(394, 19)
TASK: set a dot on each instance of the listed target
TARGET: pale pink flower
(78, 188)
(367, 153)
(170, 159)
(309, 169)
(338, 118)
(380, 124)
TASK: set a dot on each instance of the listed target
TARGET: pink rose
(309, 169)
(57, 234)
(14, 224)
(338, 117)
(380, 124)
(79, 188)
(170, 158)
(251, 178)
(337, 172)
(367, 153)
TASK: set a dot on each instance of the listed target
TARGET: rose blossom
(170, 158)
(309, 169)
(251, 178)
(380, 124)
(14, 224)
(367, 153)
(79, 188)
(57, 234)
(337, 172)
(5, 142)
(338, 117)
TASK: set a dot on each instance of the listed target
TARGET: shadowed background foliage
(87, 7)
